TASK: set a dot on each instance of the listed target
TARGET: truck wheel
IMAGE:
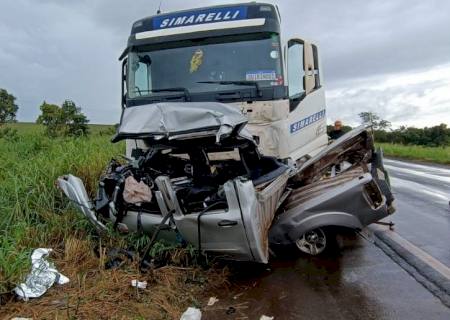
(312, 242)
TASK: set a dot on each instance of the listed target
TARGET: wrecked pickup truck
(198, 173)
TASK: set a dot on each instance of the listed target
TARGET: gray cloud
(414, 104)
(54, 49)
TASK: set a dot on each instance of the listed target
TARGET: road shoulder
(428, 271)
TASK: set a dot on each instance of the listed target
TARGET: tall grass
(32, 211)
(428, 154)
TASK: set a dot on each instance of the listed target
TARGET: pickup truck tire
(313, 242)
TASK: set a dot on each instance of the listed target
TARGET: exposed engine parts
(197, 175)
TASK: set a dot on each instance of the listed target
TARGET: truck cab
(231, 54)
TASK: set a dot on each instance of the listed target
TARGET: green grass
(33, 213)
(420, 153)
(30, 127)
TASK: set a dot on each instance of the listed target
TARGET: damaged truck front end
(198, 175)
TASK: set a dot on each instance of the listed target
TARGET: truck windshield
(204, 65)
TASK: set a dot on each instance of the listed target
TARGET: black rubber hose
(153, 238)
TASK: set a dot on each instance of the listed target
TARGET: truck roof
(213, 21)
(247, 10)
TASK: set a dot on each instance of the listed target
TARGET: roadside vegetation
(439, 155)
(34, 214)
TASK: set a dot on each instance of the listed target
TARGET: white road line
(402, 164)
(432, 176)
(419, 188)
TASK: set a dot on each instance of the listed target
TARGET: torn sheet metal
(74, 189)
(356, 145)
(42, 276)
(185, 120)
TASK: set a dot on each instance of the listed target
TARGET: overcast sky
(391, 57)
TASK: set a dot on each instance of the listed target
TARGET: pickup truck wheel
(312, 242)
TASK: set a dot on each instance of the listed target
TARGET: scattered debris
(263, 317)
(238, 295)
(139, 284)
(230, 310)
(42, 276)
(212, 301)
(116, 257)
(191, 314)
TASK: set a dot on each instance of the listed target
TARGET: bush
(67, 120)
(8, 134)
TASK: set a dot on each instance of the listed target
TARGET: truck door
(307, 117)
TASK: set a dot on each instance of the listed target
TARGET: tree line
(64, 120)
(436, 136)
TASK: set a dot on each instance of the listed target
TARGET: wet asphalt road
(422, 195)
(358, 281)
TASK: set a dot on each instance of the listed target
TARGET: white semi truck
(225, 129)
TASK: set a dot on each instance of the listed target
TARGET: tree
(75, 120)
(439, 135)
(8, 108)
(374, 120)
(67, 120)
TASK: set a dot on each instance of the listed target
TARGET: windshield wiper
(239, 83)
(175, 89)
(186, 92)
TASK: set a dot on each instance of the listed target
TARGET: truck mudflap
(74, 189)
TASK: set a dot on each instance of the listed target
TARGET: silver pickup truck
(198, 176)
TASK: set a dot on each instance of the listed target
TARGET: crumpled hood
(181, 120)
